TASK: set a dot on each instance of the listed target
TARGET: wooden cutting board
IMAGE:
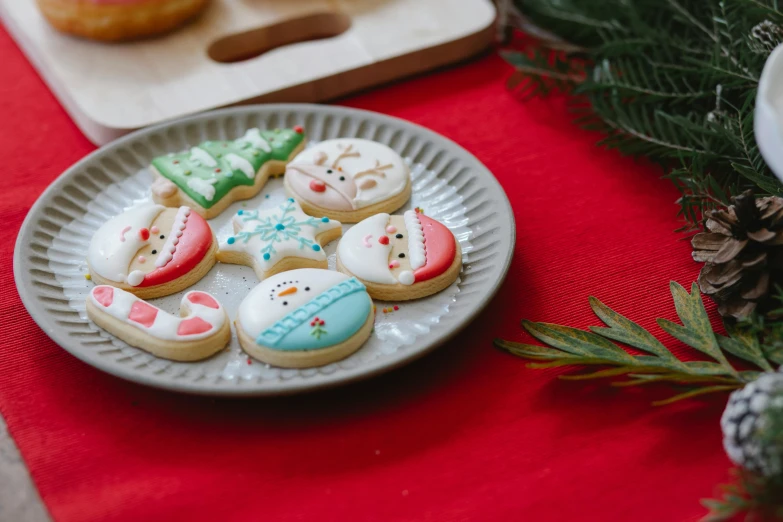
(242, 51)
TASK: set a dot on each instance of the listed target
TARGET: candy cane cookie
(202, 330)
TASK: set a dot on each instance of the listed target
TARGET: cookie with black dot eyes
(277, 239)
(348, 179)
(152, 251)
(400, 257)
(305, 318)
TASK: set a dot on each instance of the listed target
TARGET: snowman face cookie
(201, 329)
(348, 179)
(278, 239)
(152, 251)
(304, 318)
(400, 257)
(214, 174)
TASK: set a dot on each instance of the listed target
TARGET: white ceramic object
(768, 118)
(448, 182)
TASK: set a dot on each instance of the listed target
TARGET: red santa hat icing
(431, 248)
(116, 243)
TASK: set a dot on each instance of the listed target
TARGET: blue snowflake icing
(277, 228)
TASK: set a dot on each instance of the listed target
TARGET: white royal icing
(259, 234)
(199, 155)
(367, 263)
(407, 278)
(254, 138)
(165, 325)
(114, 245)
(417, 252)
(204, 187)
(239, 163)
(135, 278)
(390, 181)
(259, 311)
(170, 246)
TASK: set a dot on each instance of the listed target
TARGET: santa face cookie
(278, 239)
(152, 251)
(348, 179)
(202, 330)
(211, 176)
(305, 318)
(400, 257)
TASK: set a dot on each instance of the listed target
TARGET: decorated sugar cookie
(278, 239)
(400, 257)
(348, 179)
(152, 251)
(211, 176)
(304, 318)
(202, 330)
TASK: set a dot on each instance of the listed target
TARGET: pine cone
(743, 254)
(743, 420)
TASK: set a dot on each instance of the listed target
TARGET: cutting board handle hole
(246, 45)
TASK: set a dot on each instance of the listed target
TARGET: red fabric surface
(467, 433)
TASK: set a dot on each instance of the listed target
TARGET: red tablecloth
(467, 433)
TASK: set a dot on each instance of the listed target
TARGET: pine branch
(669, 80)
(568, 346)
(757, 497)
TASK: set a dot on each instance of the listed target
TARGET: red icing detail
(396, 307)
(441, 249)
(203, 299)
(316, 185)
(143, 313)
(384, 240)
(217, 170)
(144, 234)
(193, 326)
(298, 129)
(191, 249)
(103, 294)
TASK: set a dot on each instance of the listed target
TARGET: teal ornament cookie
(214, 174)
(305, 318)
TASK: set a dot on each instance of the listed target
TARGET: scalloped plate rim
(239, 388)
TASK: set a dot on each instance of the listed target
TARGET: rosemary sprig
(568, 346)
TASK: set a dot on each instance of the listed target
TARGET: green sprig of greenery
(760, 498)
(674, 80)
(568, 346)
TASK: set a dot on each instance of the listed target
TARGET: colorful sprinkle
(88, 277)
(267, 256)
(231, 240)
(396, 307)
(298, 129)
(324, 219)
(316, 248)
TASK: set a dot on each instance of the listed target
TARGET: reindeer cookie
(400, 257)
(202, 330)
(304, 318)
(348, 179)
(278, 239)
(211, 176)
(152, 251)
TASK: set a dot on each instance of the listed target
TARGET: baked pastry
(115, 20)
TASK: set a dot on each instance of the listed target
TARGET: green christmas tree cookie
(214, 174)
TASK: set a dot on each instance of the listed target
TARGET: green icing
(183, 167)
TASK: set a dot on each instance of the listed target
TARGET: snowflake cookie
(278, 239)
(304, 318)
(348, 179)
(400, 257)
(201, 329)
(152, 251)
(214, 174)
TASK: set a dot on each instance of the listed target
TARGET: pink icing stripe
(123, 232)
(366, 240)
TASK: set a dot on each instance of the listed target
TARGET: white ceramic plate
(448, 183)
